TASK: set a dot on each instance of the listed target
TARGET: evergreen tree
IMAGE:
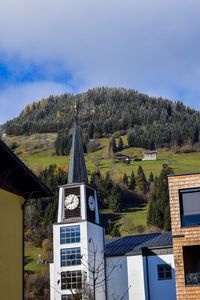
(158, 209)
(125, 180)
(52, 176)
(63, 143)
(132, 182)
(141, 181)
(113, 145)
(120, 145)
(115, 198)
(91, 130)
(151, 178)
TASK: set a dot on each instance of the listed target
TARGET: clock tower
(78, 239)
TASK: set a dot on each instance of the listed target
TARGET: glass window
(164, 272)
(70, 257)
(190, 207)
(191, 258)
(70, 280)
(70, 234)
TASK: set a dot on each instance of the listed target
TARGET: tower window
(164, 272)
(71, 280)
(70, 257)
(70, 234)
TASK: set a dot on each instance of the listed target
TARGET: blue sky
(52, 47)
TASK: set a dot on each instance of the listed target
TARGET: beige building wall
(11, 246)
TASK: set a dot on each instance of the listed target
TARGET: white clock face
(91, 203)
(71, 202)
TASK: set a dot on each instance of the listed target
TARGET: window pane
(164, 271)
(71, 280)
(71, 256)
(191, 203)
(70, 234)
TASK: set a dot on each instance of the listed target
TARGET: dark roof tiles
(77, 168)
(134, 244)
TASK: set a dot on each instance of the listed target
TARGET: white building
(150, 155)
(129, 268)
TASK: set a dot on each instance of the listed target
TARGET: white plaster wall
(96, 245)
(136, 278)
(161, 289)
(117, 281)
(87, 231)
(57, 269)
(51, 270)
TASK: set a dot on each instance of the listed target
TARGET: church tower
(78, 239)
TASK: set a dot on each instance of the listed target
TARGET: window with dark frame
(67, 297)
(71, 280)
(70, 257)
(164, 272)
(191, 259)
(190, 207)
(70, 234)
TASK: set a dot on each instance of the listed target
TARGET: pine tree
(132, 182)
(120, 145)
(115, 198)
(141, 181)
(158, 210)
(113, 145)
(125, 180)
(63, 143)
(151, 178)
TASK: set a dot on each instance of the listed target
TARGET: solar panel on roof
(131, 244)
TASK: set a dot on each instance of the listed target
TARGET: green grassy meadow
(37, 151)
(31, 257)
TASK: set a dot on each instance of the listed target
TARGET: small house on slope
(150, 155)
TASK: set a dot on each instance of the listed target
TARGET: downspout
(105, 271)
(145, 253)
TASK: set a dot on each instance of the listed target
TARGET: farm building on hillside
(150, 155)
(17, 185)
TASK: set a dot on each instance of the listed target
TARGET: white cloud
(148, 45)
(15, 98)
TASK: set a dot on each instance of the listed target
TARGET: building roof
(77, 168)
(17, 178)
(150, 152)
(131, 245)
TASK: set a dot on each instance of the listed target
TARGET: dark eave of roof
(17, 178)
(132, 245)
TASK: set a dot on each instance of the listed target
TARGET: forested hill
(151, 122)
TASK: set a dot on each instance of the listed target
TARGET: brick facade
(182, 236)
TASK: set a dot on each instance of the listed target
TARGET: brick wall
(182, 236)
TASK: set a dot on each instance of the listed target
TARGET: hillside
(37, 152)
(150, 122)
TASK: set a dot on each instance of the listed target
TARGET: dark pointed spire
(77, 167)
